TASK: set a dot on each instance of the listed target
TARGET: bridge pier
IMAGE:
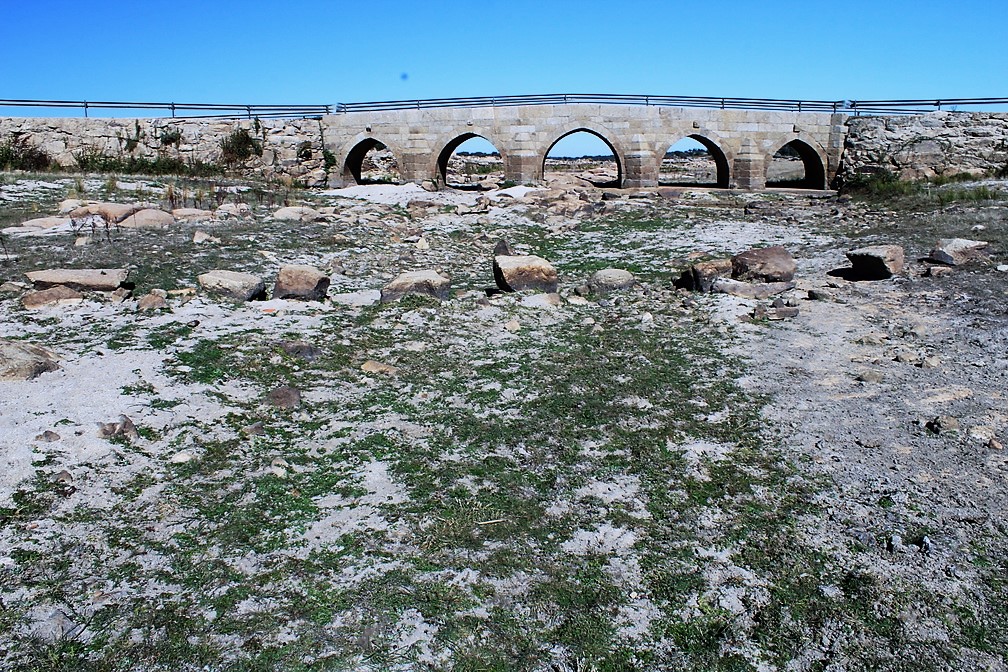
(641, 170)
(749, 169)
(523, 168)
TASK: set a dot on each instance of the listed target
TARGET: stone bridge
(741, 142)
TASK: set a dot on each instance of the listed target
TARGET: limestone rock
(766, 264)
(148, 218)
(701, 276)
(24, 361)
(45, 222)
(372, 366)
(527, 272)
(876, 262)
(301, 282)
(747, 290)
(233, 285)
(69, 205)
(124, 428)
(423, 283)
(204, 237)
(284, 396)
(60, 295)
(96, 279)
(610, 280)
(113, 213)
(957, 251)
(192, 215)
(152, 301)
(298, 213)
(232, 210)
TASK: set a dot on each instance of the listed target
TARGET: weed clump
(91, 160)
(17, 153)
(239, 146)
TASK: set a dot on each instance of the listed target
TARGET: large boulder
(45, 222)
(423, 283)
(60, 295)
(301, 282)
(610, 280)
(701, 276)
(956, 251)
(298, 213)
(876, 262)
(95, 279)
(525, 272)
(766, 264)
(149, 218)
(24, 361)
(233, 285)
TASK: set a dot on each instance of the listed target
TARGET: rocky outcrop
(766, 264)
(421, 283)
(526, 272)
(610, 280)
(301, 282)
(95, 279)
(24, 361)
(233, 285)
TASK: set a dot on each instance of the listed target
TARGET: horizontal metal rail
(183, 110)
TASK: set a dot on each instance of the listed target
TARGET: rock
(113, 213)
(747, 290)
(820, 295)
(871, 376)
(69, 205)
(12, 287)
(371, 366)
(45, 222)
(255, 429)
(1002, 268)
(422, 244)
(514, 326)
(285, 397)
(767, 264)
(301, 350)
(930, 362)
(422, 283)
(181, 457)
(995, 444)
(943, 423)
(610, 280)
(301, 282)
(60, 295)
(233, 285)
(148, 218)
(96, 279)
(527, 272)
(48, 436)
(298, 213)
(782, 313)
(24, 361)
(204, 237)
(232, 210)
(876, 262)
(700, 277)
(542, 301)
(123, 428)
(152, 301)
(957, 251)
(503, 249)
(192, 215)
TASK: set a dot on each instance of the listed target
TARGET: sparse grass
(18, 153)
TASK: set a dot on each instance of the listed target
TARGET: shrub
(91, 160)
(239, 146)
(171, 136)
(17, 153)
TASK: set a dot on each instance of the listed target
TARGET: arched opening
(694, 161)
(371, 162)
(583, 155)
(471, 162)
(796, 165)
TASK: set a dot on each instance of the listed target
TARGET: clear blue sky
(323, 52)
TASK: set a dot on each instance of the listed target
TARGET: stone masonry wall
(926, 145)
(292, 148)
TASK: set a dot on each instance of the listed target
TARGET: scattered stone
(200, 237)
(937, 271)
(542, 301)
(820, 295)
(123, 428)
(285, 397)
(24, 361)
(930, 362)
(12, 287)
(514, 326)
(610, 280)
(421, 283)
(94, 279)
(371, 366)
(153, 301)
(69, 205)
(995, 444)
(301, 350)
(232, 284)
(577, 300)
(876, 262)
(907, 357)
(422, 244)
(298, 213)
(871, 376)
(255, 429)
(527, 272)
(59, 295)
(301, 282)
(48, 436)
(981, 433)
(148, 218)
(181, 457)
(782, 313)
(1002, 268)
(958, 251)
(746, 290)
(192, 215)
(233, 210)
(767, 264)
(943, 423)
(700, 277)
(503, 249)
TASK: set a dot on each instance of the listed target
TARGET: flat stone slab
(24, 361)
(766, 264)
(956, 251)
(298, 213)
(876, 262)
(60, 295)
(192, 215)
(232, 284)
(45, 222)
(525, 272)
(747, 290)
(95, 279)
(423, 283)
(148, 218)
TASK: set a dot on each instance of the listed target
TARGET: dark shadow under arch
(445, 156)
(354, 163)
(720, 161)
(815, 171)
(618, 182)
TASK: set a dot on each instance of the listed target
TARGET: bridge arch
(451, 142)
(606, 136)
(722, 157)
(353, 156)
(812, 156)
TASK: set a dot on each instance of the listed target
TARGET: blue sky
(324, 52)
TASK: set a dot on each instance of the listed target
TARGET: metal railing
(183, 110)
(219, 110)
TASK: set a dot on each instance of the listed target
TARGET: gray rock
(123, 428)
(24, 361)
(285, 397)
(301, 282)
(58, 295)
(876, 262)
(748, 290)
(421, 283)
(610, 280)
(766, 264)
(148, 218)
(526, 272)
(299, 213)
(233, 285)
(95, 279)
(957, 251)
(700, 277)
(871, 376)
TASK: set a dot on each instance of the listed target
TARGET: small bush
(239, 147)
(17, 153)
(171, 136)
(93, 161)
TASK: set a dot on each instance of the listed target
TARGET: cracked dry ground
(648, 481)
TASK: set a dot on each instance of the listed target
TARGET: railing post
(85, 109)
(799, 106)
(173, 110)
(722, 103)
(248, 111)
